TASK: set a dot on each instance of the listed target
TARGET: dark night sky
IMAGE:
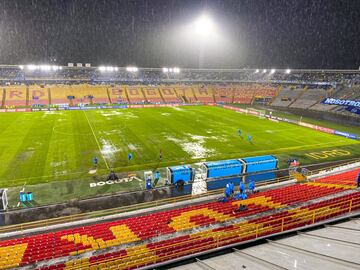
(261, 33)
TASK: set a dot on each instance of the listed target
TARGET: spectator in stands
(240, 209)
(242, 187)
(252, 187)
(358, 180)
(243, 196)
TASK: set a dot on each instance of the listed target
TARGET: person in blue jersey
(249, 138)
(358, 180)
(227, 191)
(95, 161)
(129, 156)
(252, 186)
(232, 187)
(242, 187)
(243, 196)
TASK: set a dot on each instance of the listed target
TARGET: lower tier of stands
(162, 251)
(141, 230)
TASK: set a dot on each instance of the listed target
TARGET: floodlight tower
(203, 28)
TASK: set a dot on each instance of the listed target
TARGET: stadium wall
(328, 116)
(89, 205)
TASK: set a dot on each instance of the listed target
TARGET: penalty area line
(97, 141)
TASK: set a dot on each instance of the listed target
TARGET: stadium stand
(99, 93)
(59, 94)
(152, 94)
(164, 250)
(38, 95)
(203, 93)
(135, 94)
(287, 95)
(176, 229)
(186, 93)
(224, 93)
(117, 94)
(309, 97)
(168, 94)
(243, 94)
(265, 91)
(16, 95)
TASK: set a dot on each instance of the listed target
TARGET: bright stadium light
(288, 71)
(102, 68)
(272, 71)
(110, 69)
(21, 67)
(32, 67)
(45, 67)
(176, 70)
(132, 69)
(116, 68)
(204, 25)
(257, 71)
(165, 70)
(264, 71)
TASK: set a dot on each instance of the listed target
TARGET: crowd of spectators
(12, 74)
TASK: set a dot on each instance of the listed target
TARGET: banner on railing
(353, 109)
(346, 134)
(341, 102)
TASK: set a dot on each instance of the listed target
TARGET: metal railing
(248, 231)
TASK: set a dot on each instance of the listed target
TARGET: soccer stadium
(200, 167)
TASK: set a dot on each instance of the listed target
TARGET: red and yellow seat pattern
(135, 94)
(346, 178)
(152, 94)
(169, 95)
(265, 91)
(117, 94)
(147, 254)
(186, 92)
(38, 95)
(134, 230)
(15, 95)
(224, 93)
(243, 94)
(203, 93)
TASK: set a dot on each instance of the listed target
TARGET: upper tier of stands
(140, 235)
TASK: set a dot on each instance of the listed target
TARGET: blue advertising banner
(345, 134)
(341, 102)
(353, 109)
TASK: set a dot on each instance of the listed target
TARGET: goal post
(256, 112)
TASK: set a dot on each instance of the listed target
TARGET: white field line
(97, 142)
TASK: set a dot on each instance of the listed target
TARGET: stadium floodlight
(21, 67)
(60, 67)
(272, 71)
(132, 69)
(32, 67)
(111, 69)
(45, 67)
(102, 68)
(204, 25)
(288, 71)
(116, 68)
(165, 70)
(257, 71)
(176, 70)
(264, 71)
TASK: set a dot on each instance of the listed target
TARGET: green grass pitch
(47, 146)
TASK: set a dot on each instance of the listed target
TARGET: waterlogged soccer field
(58, 145)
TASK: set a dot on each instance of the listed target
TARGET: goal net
(256, 112)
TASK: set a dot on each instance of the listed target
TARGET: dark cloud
(263, 33)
